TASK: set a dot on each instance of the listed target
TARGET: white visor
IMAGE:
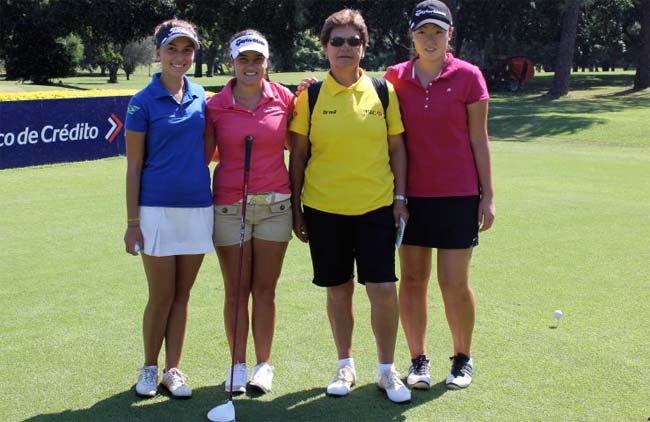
(249, 43)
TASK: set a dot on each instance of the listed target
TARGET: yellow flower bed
(50, 95)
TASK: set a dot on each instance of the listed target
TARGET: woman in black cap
(444, 103)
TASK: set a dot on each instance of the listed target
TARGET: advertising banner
(61, 130)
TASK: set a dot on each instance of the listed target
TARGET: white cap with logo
(249, 43)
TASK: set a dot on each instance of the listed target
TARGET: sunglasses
(339, 41)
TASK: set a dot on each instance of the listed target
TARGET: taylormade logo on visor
(249, 43)
(178, 30)
(430, 12)
(241, 41)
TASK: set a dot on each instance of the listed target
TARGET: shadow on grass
(529, 127)
(579, 80)
(58, 84)
(365, 402)
(529, 116)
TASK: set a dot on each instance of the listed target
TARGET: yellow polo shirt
(349, 169)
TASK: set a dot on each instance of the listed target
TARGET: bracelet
(401, 198)
(128, 220)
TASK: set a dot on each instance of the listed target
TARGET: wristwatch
(401, 198)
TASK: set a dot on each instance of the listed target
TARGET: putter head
(222, 413)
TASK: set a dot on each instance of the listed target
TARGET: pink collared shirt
(267, 124)
(440, 159)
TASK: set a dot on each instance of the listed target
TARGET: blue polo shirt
(174, 172)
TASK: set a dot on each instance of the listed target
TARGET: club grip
(248, 141)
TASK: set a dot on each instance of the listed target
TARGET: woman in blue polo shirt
(168, 200)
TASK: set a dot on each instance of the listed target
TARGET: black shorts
(445, 223)
(336, 241)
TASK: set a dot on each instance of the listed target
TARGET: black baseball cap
(430, 11)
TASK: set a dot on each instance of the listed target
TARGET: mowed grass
(601, 107)
(142, 76)
(571, 234)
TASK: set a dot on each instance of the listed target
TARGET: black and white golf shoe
(419, 376)
(460, 375)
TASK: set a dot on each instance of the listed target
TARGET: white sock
(383, 367)
(346, 362)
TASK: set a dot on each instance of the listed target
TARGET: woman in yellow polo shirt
(348, 171)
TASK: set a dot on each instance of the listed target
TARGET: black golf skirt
(444, 223)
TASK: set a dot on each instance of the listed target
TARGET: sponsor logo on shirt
(326, 112)
(370, 112)
(132, 109)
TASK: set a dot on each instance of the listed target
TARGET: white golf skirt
(177, 231)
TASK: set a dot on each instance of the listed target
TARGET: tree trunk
(642, 77)
(198, 63)
(112, 72)
(566, 49)
(209, 68)
(211, 53)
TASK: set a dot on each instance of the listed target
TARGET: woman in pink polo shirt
(444, 104)
(251, 105)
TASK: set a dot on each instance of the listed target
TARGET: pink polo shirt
(231, 123)
(440, 159)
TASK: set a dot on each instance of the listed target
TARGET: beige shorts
(265, 221)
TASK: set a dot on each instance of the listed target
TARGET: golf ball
(136, 249)
(558, 314)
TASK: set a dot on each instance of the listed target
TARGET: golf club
(226, 412)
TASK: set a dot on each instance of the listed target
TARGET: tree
(566, 49)
(308, 54)
(112, 24)
(387, 22)
(487, 33)
(136, 53)
(601, 35)
(642, 77)
(30, 24)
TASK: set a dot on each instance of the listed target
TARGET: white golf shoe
(460, 375)
(176, 382)
(262, 377)
(419, 373)
(240, 376)
(394, 387)
(342, 383)
(147, 385)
